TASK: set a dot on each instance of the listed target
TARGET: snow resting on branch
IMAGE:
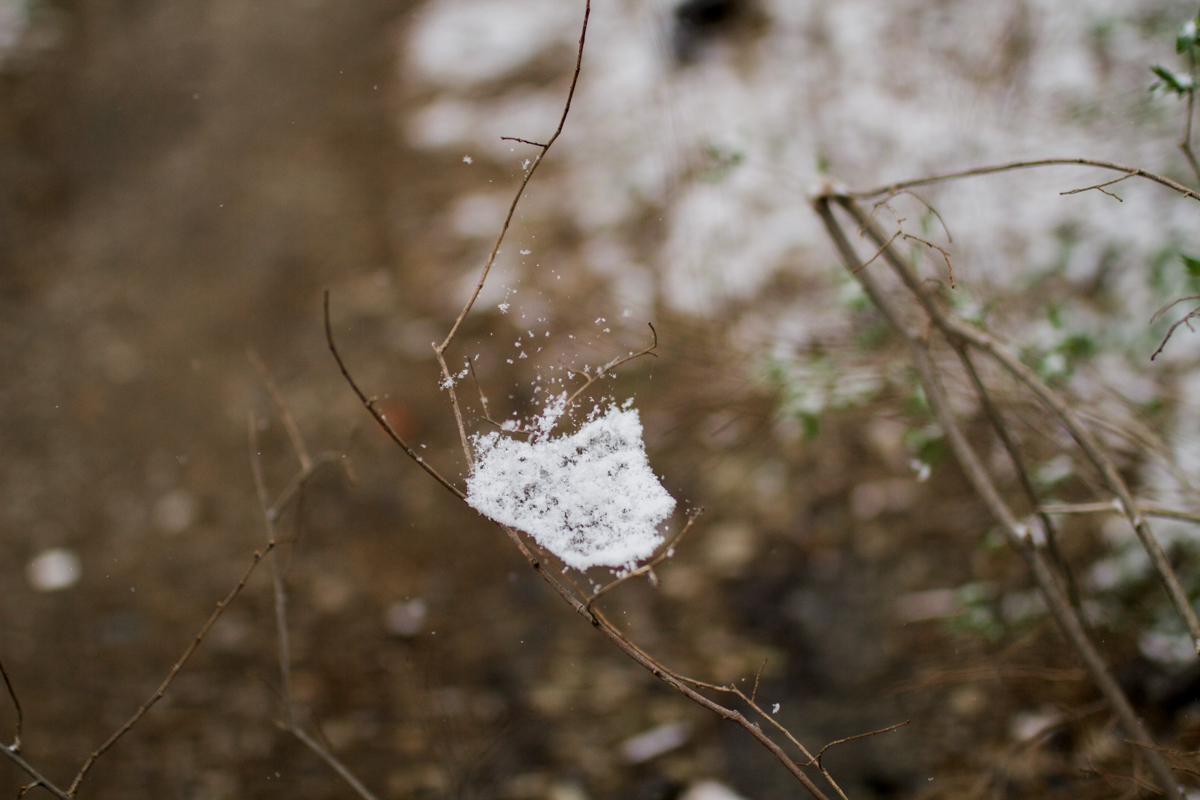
(589, 497)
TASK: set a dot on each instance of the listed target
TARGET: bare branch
(1185, 320)
(609, 367)
(12, 694)
(956, 330)
(898, 725)
(285, 670)
(1099, 187)
(329, 758)
(649, 566)
(38, 778)
(158, 694)
(1015, 165)
(285, 415)
(378, 417)
(440, 349)
(1018, 534)
(1116, 507)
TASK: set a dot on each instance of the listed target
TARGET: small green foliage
(928, 443)
(1192, 265)
(1185, 40)
(1169, 81)
(720, 162)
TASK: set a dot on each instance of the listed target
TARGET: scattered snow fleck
(526, 252)
(589, 497)
(509, 360)
(606, 330)
(503, 308)
(775, 708)
(54, 569)
(468, 160)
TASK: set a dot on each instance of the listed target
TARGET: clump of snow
(588, 497)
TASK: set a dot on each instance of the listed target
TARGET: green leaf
(1186, 38)
(1172, 82)
(1192, 264)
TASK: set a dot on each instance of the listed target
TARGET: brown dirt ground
(178, 181)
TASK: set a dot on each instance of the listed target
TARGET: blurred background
(179, 181)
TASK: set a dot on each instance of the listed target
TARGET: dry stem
(158, 694)
(1015, 165)
(12, 693)
(440, 349)
(1017, 533)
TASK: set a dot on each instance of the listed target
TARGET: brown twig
(1018, 534)
(285, 415)
(607, 368)
(440, 349)
(1099, 187)
(955, 330)
(666, 553)
(369, 404)
(158, 694)
(31, 771)
(1185, 320)
(817, 759)
(1015, 165)
(285, 672)
(270, 514)
(12, 694)
(330, 759)
(1115, 507)
(1018, 462)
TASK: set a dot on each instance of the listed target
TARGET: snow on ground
(713, 141)
(724, 148)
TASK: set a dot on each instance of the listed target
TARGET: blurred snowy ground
(700, 126)
(718, 129)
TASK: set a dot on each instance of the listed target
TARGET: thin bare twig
(1115, 507)
(328, 757)
(369, 404)
(270, 514)
(1015, 165)
(757, 675)
(1186, 144)
(1099, 187)
(12, 694)
(285, 415)
(31, 771)
(1185, 320)
(1018, 534)
(285, 672)
(523, 141)
(158, 694)
(609, 367)
(817, 760)
(1014, 456)
(649, 566)
(440, 349)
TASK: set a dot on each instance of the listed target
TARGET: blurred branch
(270, 514)
(1115, 507)
(1018, 534)
(158, 694)
(440, 349)
(1016, 165)
(12, 693)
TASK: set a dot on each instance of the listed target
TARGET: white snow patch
(589, 497)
